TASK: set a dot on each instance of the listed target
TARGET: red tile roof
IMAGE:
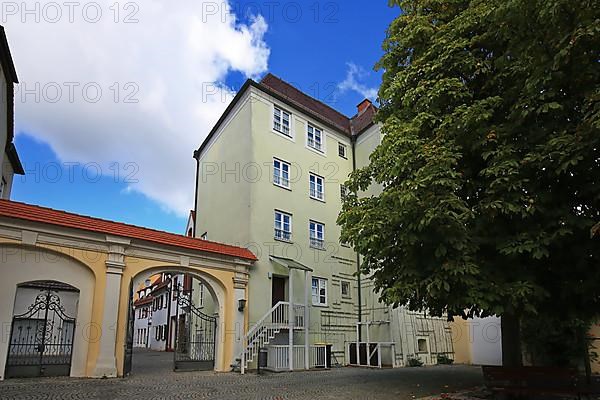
(142, 301)
(27, 212)
(306, 103)
(350, 126)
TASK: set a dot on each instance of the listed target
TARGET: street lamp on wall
(241, 304)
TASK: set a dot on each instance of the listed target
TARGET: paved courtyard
(153, 378)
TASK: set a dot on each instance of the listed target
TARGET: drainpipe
(357, 255)
(197, 158)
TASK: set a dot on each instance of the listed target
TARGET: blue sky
(313, 45)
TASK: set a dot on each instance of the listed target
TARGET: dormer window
(281, 121)
(315, 138)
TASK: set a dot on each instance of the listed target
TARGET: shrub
(414, 361)
(444, 359)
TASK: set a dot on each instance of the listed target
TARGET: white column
(106, 365)
(307, 288)
(291, 320)
(240, 282)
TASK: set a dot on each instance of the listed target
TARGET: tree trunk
(511, 341)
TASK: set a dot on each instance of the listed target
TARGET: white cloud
(354, 74)
(176, 57)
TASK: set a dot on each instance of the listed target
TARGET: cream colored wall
(242, 212)
(83, 269)
(330, 264)
(8, 175)
(461, 341)
(224, 198)
(365, 144)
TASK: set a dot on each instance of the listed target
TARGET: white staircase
(276, 319)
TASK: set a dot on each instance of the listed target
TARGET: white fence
(278, 357)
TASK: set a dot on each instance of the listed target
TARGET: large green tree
(489, 164)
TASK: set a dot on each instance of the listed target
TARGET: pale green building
(270, 178)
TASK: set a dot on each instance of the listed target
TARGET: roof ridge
(118, 223)
(303, 92)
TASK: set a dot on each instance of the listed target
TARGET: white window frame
(342, 146)
(343, 192)
(426, 339)
(279, 178)
(279, 226)
(315, 241)
(313, 185)
(315, 290)
(278, 121)
(311, 143)
(346, 295)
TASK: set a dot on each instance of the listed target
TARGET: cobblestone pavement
(153, 378)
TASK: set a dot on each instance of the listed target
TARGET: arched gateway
(59, 255)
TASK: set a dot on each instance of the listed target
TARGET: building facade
(10, 165)
(271, 178)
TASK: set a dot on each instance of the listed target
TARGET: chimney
(363, 105)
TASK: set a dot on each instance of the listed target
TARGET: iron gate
(41, 339)
(195, 334)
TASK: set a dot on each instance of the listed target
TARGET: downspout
(357, 255)
(197, 158)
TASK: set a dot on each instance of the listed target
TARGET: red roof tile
(27, 212)
(142, 301)
(307, 103)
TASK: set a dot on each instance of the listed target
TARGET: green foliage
(555, 341)
(414, 361)
(443, 359)
(490, 161)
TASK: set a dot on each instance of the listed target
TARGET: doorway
(277, 290)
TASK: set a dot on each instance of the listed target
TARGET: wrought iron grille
(41, 340)
(195, 337)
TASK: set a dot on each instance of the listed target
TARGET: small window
(319, 291)
(317, 187)
(281, 121)
(317, 235)
(204, 236)
(281, 173)
(2, 187)
(342, 150)
(343, 192)
(422, 345)
(283, 226)
(345, 289)
(315, 138)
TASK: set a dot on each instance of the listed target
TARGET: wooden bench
(529, 381)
